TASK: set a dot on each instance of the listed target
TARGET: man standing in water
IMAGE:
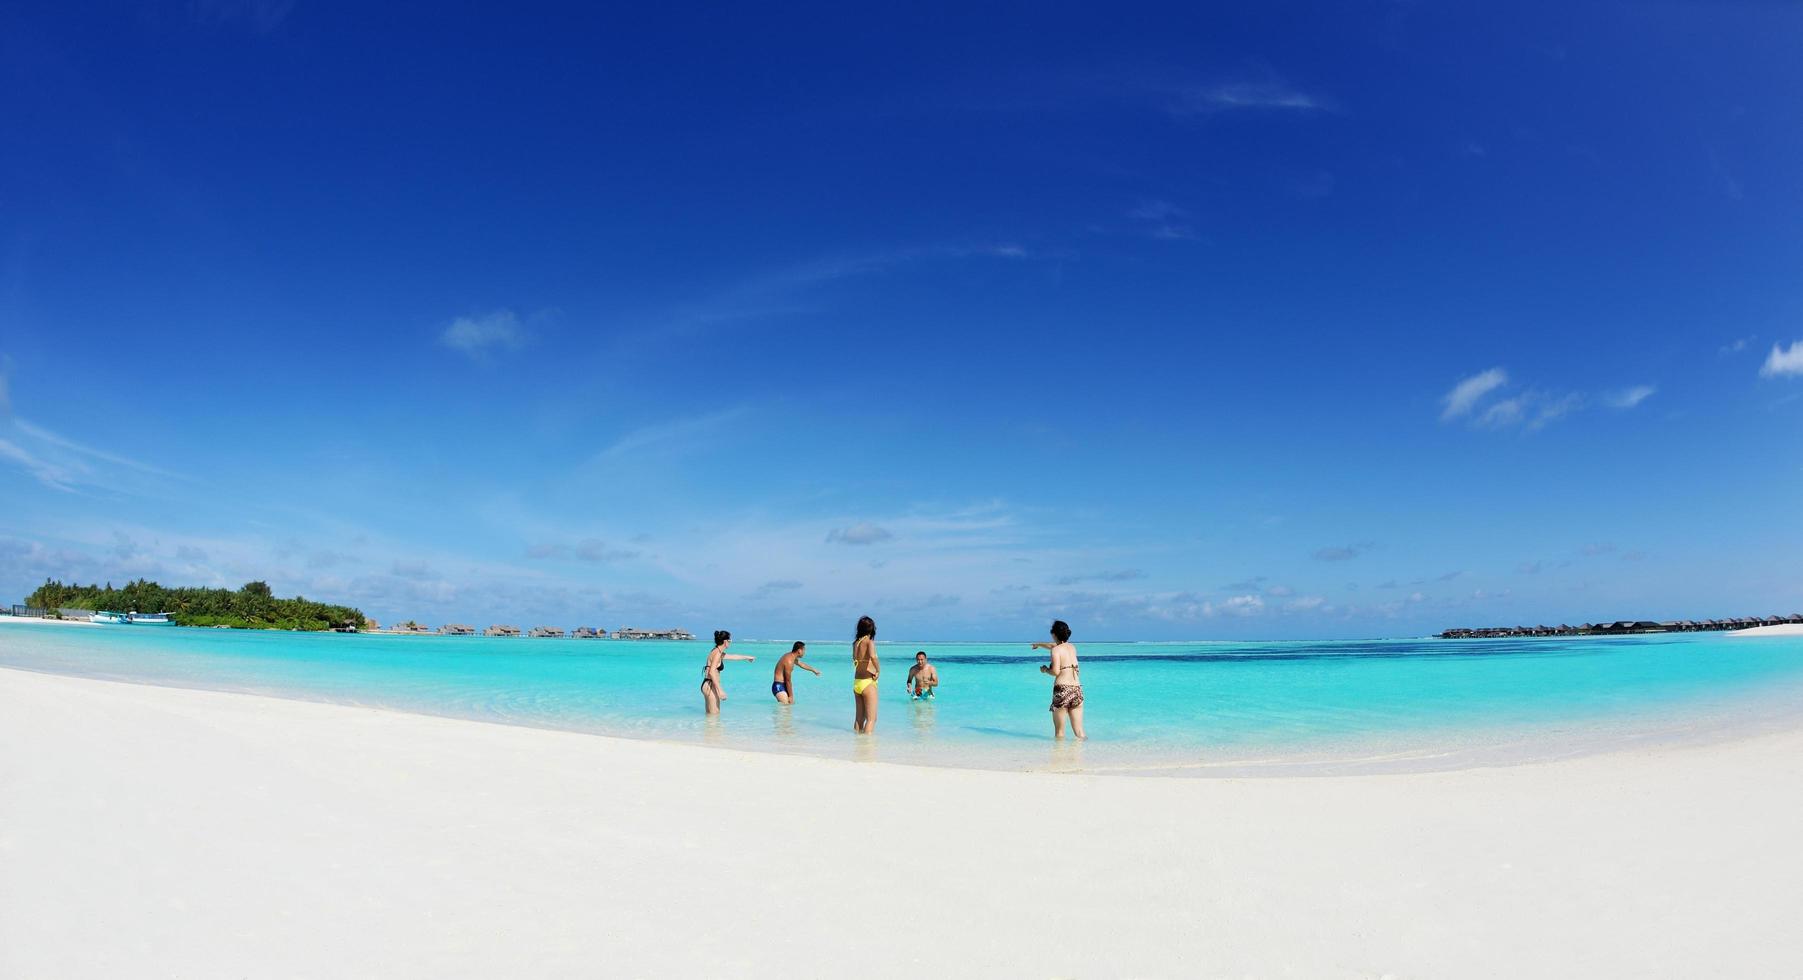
(923, 677)
(783, 687)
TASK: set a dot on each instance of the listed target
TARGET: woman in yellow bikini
(864, 668)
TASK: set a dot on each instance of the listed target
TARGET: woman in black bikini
(711, 693)
(1067, 687)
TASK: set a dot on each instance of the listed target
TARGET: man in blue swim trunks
(783, 687)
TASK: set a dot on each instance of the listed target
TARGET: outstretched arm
(735, 656)
(805, 667)
(1042, 646)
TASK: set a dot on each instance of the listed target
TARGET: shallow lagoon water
(1193, 708)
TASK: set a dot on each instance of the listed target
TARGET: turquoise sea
(1193, 708)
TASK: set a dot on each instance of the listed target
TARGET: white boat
(106, 616)
(150, 619)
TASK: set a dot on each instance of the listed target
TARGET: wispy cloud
(861, 533)
(1345, 552)
(1465, 395)
(1625, 398)
(46, 436)
(67, 465)
(1162, 220)
(1737, 345)
(49, 474)
(1783, 361)
(478, 334)
(774, 587)
(1119, 575)
(1530, 408)
(670, 437)
(1269, 95)
(586, 549)
(594, 549)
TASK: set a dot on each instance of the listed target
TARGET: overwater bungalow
(545, 631)
(499, 630)
(587, 633)
(457, 629)
(629, 633)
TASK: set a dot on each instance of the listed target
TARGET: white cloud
(1783, 361)
(475, 335)
(1246, 95)
(1306, 603)
(862, 532)
(1243, 605)
(1629, 397)
(1739, 344)
(1465, 395)
(1532, 409)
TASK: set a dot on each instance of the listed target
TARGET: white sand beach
(1779, 629)
(154, 832)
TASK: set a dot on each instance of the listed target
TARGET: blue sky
(1276, 320)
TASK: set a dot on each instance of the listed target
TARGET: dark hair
(798, 645)
(921, 653)
(721, 636)
(866, 627)
(1061, 630)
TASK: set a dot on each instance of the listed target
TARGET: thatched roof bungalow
(545, 631)
(499, 630)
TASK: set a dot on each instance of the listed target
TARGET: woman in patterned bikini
(1067, 687)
